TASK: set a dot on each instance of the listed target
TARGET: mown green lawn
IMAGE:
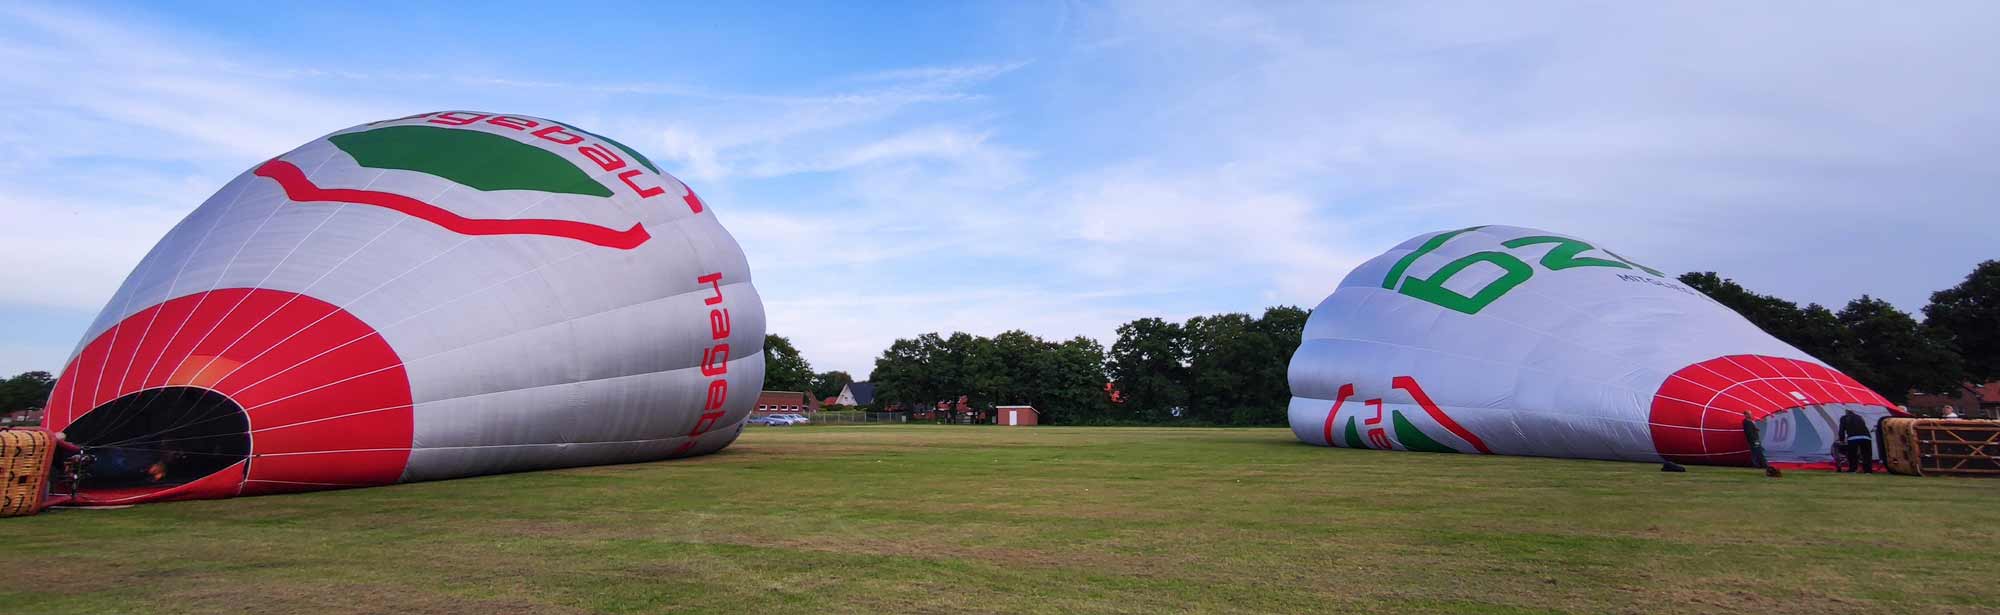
(1048, 520)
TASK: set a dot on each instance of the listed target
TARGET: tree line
(26, 390)
(1230, 369)
(1957, 342)
(787, 370)
(1225, 369)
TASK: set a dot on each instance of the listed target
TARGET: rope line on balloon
(378, 287)
(223, 275)
(1767, 399)
(1544, 334)
(177, 426)
(447, 302)
(145, 264)
(253, 328)
(1604, 383)
(337, 266)
(454, 247)
(1558, 303)
(1737, 383)
(273, 272)
(151, 260)
(174, 283)
(95, 447)
(267, 318)
(406, 361)
(264, 429)
(181, 395)
(402, 363)
(481, 446)
(323, 275)
(1822, 388)
(241, 190)
(441, 304)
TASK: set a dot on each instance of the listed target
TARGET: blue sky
(1061, 167)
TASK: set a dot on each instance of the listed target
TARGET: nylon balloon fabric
(442, 295)
(1518, 341)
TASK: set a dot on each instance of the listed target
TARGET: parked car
(773, 420)
(797, 418)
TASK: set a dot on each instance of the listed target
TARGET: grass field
(1048, 520)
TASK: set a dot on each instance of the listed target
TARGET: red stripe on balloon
(1409, 385)
(1346, 391)
(328, 400)
(1697, 415)
(300, 188)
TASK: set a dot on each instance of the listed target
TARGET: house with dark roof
(857, 394)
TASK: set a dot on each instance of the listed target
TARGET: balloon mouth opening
(1810, 434)
(154, 444)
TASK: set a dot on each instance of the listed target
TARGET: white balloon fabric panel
(1518, 341)
(440, 295)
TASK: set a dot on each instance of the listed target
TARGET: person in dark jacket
(1860, 444)
(1756, 441)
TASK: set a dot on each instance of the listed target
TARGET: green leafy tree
(1813, 329)
(1967, 317)
(910, 371)
(1869, 339)
(1064, 381)
(784, 368)
(1237, 367)
(828, 384)
(1149, 366)
(1890, 352)
(1071, 378)
(26, 390)
(1219, 350)
(974, 369)
(1284, 326)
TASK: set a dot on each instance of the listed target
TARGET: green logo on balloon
(1565, 255)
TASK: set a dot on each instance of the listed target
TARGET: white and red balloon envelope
(1516, 341)
(443, 295)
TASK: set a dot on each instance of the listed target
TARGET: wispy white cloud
(1775, 142)
(71, 251)
(1148, 158)
(116, 129)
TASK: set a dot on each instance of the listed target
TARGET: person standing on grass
(1756, 441)
(1860, 444)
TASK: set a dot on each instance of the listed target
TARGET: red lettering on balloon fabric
(714, 363)
(1377, 436)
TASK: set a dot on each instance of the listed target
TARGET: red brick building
(1972, 401)
(1017, 416)
(21, 418)
(785, 402)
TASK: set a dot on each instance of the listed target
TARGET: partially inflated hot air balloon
(442, 295)
(1515, 341)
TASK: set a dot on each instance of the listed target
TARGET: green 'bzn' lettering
(1432, 288)
(1565, 255)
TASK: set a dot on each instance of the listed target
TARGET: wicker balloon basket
(1932, 447)
(25, 456)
